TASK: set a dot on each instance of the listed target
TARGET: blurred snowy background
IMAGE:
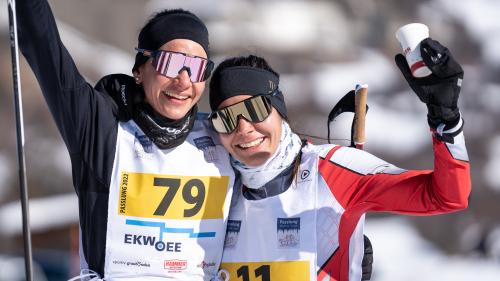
(321, 49)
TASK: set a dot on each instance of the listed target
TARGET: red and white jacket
(361, 182)
(314, 229)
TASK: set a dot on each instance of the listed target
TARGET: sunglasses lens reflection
(255, 110)
(170, 64)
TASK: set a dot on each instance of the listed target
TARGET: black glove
(124, 91)
(367, 260)
(440, 90)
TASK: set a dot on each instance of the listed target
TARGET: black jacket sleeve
(73, 102)
(86, 118)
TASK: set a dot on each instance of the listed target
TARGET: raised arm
(368, 183)
(72, 102)
(362, 182)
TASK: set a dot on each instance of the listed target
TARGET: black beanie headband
(167, 27)
(246, 80)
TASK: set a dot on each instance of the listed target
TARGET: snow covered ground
(5, 174)
(401, 254)
(490, 173)
(46, 213)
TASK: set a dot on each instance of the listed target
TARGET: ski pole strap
(87, 274)
(222, 275)
(449, 135)
(348, 104)
(90, 275)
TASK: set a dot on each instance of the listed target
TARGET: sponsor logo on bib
(173, 266)
(132, 263)
(288, 232)
(232, 231)
(144, 240)
(304, 174)
(207, 266)
(207, 145)
(158, 243)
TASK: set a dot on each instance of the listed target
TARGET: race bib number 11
(268, 271)
(172, 197)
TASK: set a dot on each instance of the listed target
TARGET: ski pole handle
(360, 115)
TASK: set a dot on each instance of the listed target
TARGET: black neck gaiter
(164, 132)
(129, 98)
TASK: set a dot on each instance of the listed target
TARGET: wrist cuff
(449, 134)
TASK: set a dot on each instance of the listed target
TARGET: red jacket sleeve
(358, 180)
(361, 182)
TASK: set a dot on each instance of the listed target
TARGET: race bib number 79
(172, 197)
(268, 271)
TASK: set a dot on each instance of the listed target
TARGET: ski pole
(14, 47)
(354, 101)
(359, 135)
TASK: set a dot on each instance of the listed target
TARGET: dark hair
(250, 60)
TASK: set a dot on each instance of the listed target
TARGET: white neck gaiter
(288, 148)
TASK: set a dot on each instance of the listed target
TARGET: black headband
(178, 25)
(246, 80)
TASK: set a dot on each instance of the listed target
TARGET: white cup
(409, 37)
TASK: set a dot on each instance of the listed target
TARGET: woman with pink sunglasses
(297, 212)
(153, 182)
